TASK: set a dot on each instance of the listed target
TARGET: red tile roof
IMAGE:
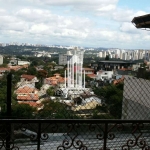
(15, 67)
(4, 69)
(26, 89)
(28, 97)
(115, 82)
(28, 77)
(125, 69)
(55, 80)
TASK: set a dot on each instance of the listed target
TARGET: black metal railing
(75, 134)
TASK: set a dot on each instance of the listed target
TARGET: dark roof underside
(142, 21)
(118, 62)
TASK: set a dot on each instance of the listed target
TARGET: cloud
(3, 12)
(33, 15)
(84, 24)
(78, 2)
(43, 22)
(99, 7)
(127, 15)
(129, 28)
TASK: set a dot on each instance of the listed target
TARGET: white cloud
(34, 15)
(39, 28)
(122, 15)
(3, 12)
(78, 2)
(42, 24)
(100, 7)
(109, 7)
(128, 27)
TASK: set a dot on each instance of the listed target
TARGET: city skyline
(74, 22)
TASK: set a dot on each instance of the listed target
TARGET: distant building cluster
(64, 58)
(14, 61)
(45, 54)
(38, 45)
(125, 54)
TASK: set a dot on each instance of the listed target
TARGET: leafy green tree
(55, 110)
(23, 111)
(107, 57)
(50, 91)
(34, 63)
(3, 94)
(60, 71)
(87, 78)
(31, 71)
(41, 74)
(112, 97)
(17, 74)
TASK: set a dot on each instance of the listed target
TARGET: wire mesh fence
(125, 99)
(54, 99)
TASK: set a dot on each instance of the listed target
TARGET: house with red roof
(27, 94)
(92, 76)
(3, 71)
(88, 70)
(117, 81)
(55, 80)
(102, 74)
(15, 68)
(27, 79)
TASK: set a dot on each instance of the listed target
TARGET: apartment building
(1, 59)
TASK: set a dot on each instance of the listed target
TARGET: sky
(85, 23)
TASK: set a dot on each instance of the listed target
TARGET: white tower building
(74, 70)
(74, 75)
(104, 54)
(1, 59)
(100, 54)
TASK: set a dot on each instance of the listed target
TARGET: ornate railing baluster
(39, 136)
(105, 136)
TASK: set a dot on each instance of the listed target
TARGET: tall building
(100, 54)
(147, 55)
(74, 69)
(63, 58)
(74, 75)
(104, 54)
(1, 59)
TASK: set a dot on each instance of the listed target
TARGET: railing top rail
(71, 121)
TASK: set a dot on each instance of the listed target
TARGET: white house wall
(105, 74)
(90, 99)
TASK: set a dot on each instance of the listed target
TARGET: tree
(55, 110)
(42, 74)
(112, 97)
(3, 94)
(31, 71)
(50, 91)
(23, 111)
(107, 57)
